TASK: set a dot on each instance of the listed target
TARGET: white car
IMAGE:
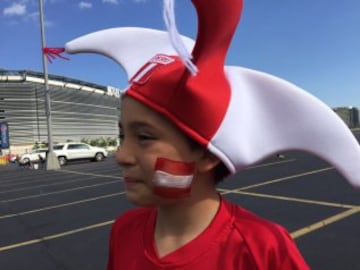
(76, 151)
(33, 156)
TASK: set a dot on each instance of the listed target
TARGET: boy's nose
(124, 157)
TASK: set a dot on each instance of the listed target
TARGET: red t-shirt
(235, 239)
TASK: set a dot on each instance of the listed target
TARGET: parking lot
(61, 219)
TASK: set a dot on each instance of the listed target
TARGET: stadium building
(79, 110)
(350, 115)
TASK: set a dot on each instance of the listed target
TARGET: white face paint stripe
(163, 179)
(146, 69)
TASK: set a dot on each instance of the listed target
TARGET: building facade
(79, 110)
(350, 115)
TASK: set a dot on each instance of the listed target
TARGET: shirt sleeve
(111, 251)
(273, 248)
(292, 259)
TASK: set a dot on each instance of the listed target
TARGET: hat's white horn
(268, 114)
(130, 47)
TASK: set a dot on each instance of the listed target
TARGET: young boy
(190, 226)
(177, 126)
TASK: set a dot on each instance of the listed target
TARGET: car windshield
(38, 151)
(58, 147)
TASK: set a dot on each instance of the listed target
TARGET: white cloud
(48, 24)
(15, 9)
(84, 5)
(46, 2)
(114, 2)
(34, 16)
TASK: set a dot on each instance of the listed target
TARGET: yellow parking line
(271, 164)
(324, 222)
(296, 234)
(61, 205)
(279, 180)
(323, 203)
(54, 236)
(57, 192)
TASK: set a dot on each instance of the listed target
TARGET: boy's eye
(140, 137)
(145, 137)
(121, 137)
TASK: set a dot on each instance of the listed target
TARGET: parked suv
(33, 156)
(76, 151)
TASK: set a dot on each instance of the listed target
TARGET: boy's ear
(207, 162)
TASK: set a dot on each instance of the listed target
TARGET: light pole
(51, 160)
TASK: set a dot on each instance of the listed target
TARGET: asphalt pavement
(62, 219)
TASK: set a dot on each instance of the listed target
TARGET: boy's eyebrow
(136, 124)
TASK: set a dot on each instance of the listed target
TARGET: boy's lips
(131, 180)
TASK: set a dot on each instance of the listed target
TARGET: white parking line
(278, 180)
(61, 205)
(53, 184)
(58, 192)
(271, 164)
(92, 174)
(295, 234)
(293, 199)
(12, 182)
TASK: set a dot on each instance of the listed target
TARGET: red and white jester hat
(241, 115)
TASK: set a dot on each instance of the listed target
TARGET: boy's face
(146, 136)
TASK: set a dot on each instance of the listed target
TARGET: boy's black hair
(220, 171)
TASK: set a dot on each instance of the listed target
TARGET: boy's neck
(180, 223)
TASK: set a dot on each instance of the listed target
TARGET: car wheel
(26, 161)
(62, 161)
(99, 157)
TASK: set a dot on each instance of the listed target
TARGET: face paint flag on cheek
(172, 179)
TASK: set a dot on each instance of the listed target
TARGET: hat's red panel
(190, 102)
(197, 104)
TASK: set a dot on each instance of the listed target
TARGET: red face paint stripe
(174, 167)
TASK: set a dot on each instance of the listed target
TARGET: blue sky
(312, 43)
